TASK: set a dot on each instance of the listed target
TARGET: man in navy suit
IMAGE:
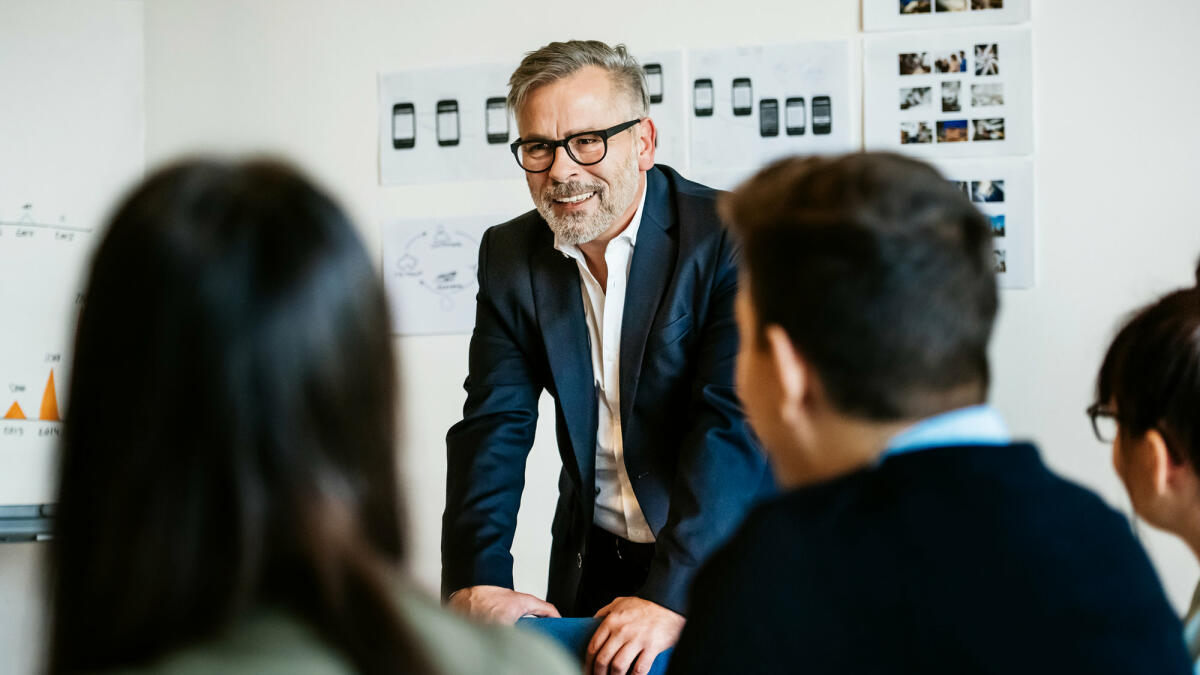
(616, 296)
(913, 535)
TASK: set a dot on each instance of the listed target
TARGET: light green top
(276, 643)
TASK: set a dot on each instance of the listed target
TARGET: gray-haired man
(616, 296)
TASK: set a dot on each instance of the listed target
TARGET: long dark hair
(228, 442)
(1152, 373)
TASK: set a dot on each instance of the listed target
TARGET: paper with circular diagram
(429, 268)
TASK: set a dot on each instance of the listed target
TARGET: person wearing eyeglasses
(615, 295)
(1148, 407)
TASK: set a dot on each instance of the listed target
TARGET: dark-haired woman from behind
(1148, 406)
(228, 495)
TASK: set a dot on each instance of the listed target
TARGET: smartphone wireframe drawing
(822, 121)
(743, 97)
(654, 81)
(702, 97)
(793, 116)
(404, 126)
(497, 120)
(447, 122)
(768, 117)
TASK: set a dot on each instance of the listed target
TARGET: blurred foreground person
(912, 536)
(228, 498)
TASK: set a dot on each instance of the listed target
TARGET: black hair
(880, 272)
(228, 442)
(1151, 373)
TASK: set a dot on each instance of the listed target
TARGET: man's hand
(499, 605)
(633, 628)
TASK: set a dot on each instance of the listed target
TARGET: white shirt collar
(628, 234)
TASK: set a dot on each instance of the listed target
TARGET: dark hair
(1152, 373)
(228, 442)
(880, 272)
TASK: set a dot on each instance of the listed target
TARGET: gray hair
(563, 59)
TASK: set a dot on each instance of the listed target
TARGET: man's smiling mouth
(574, 199)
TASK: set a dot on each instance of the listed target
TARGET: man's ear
(647, 135)
(791, 370)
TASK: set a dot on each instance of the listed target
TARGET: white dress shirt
(617, 508)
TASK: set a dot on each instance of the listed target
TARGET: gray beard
(580, 228)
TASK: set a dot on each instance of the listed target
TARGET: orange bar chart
(49, 407)
(49, 411)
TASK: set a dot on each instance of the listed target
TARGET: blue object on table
(574, 634)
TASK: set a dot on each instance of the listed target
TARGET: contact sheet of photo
(1002, 189)
(925, 14)
(961, 93)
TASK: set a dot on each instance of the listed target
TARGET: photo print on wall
(881, 15)
(971, 88)
(1002, 189)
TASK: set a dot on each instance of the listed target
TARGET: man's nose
(564, 167)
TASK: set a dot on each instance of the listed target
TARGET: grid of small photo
(988, 195)
(935, 6)
(952, 96)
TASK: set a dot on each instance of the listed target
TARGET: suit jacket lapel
(651, 270)
(559, 302)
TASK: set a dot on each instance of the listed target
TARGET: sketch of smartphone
(497, 120)
(654, 81)
(404, 126)
(743, 97)
(447, 122)
(822, 118)
(793, 115)
(768, 117)
(702, 97)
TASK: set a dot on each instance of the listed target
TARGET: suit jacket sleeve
(721, 471)
(487, 450)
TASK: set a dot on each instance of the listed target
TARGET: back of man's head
(880, 272)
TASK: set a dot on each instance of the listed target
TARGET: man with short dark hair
(616, 296)
(913, 535)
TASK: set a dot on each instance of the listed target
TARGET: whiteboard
(71, 142)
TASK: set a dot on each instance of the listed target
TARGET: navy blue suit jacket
(694, 465)
(946, 560)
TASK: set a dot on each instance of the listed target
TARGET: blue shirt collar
(973, 425)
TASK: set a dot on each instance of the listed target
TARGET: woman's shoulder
(274, 642)
(457, 645)
(268, 642)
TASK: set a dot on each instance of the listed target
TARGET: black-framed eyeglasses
(584, 148)
(1104, 421)
(1105, 425)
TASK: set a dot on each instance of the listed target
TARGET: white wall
(1116, 168)
(298, 78)
(1118, 157)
